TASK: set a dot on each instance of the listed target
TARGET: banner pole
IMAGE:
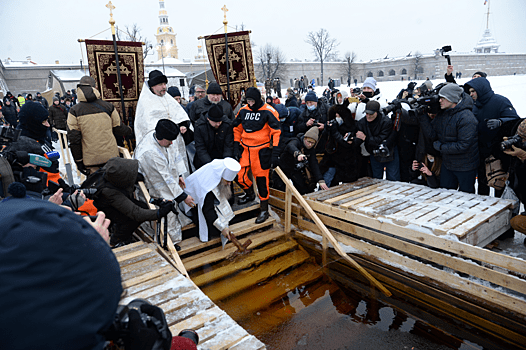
(225, 22)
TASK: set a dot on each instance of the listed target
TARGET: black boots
(249, 196)
(263, 213)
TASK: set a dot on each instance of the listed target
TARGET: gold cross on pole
(225, 22)
(111, 7)
(112, 21)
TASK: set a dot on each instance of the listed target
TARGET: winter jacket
(456, 130)
(10, 114)
(488, 105)
(42, 101)
(211, 143)
(379, 131)
(291, 101)
(289, 157)
(319, 114)
(201, 107)
(92, 124)
(31, 116)
(58, 116)
(120, 176)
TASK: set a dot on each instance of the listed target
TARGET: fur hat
(88, 81)
(214, 89)
(521, 130)
(166, 130)
(215, 113)
(311, 96)
(452, 92)
(156, 77)
(174, 91)
(370, 82)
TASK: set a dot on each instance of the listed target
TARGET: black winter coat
(58, 116)
(291, 101)
(10, 114)
(289, 157)
(202, 106)
(379, 131)
(212, 143)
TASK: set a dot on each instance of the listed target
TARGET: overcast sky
(48, 30)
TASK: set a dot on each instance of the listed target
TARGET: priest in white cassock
(163, 178)
(210, 188)
(155, 104)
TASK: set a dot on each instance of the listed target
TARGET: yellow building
(166, 45)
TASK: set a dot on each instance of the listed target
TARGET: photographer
(491, 111)
(377, 134)
(297, 156)
(115, 198)
(341, 159)
(454, 131)
(429, 170)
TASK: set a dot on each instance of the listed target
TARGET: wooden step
(240, 229)
(236, 212)
(253, 259)
(248, 278)
(216, 254)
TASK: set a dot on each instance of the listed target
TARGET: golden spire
(225, 22)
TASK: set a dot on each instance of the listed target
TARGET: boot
(263, 213)
(249, 196)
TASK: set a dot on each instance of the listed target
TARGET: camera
(382, 151)
(446, 48)
(356, 91)
(159, 201)
(429, 102)
(515, 140)
(8, 134)
(302, 164)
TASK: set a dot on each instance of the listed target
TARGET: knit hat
(232, 167)
(253, 93)
(174, 91)
(214, 89)
(452, 92)
(429, 84)
(166, 130)
(88, 81)
(370, 82)
(311, 96)
(55, 98)
(156, 77)
(482, 74)
(43, 278)
(312, 133)
(521, 130)
(372, 107)
(215, 113)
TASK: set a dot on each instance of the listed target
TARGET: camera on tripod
(382, 151)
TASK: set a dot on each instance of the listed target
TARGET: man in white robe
(155, 104)
(163, 178)
(210, 187)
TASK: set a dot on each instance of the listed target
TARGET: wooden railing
(326, 234)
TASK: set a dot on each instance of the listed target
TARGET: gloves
(237, 151)
(437, 145)
(164, 209)
(153, 333)
(82, 168)
(493, 123)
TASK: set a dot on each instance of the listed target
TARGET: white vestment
(161, 174)
(150, 109)
(206, 179)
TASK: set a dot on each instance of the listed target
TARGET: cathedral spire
(166, 45)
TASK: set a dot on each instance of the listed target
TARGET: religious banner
(102, 68)
(240, 63)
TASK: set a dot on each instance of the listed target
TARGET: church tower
(166, 45)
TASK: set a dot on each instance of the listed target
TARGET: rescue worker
(257, 130)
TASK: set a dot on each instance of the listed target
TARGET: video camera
(382, 151)
(8, 134)
(429, 102)
(515, 140)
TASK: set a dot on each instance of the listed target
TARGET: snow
(69, 75)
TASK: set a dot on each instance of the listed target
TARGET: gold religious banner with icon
(240, 63)
(103, 68)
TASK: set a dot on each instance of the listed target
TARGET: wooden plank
(135, 271)
(139, 279)
(174, 283)
(151, 283)
(460, 283)
(372, 198)
(408, 211)
(134, 254)
(122, 250)
(288, 209)
(217, 254)
(152, 259)
(198, 320)
(398, 208)
(184, 300)
(373, 189)
(209, 330)
(448, 215)
(137, 259)
(468, 251)
(451, 224)
(352, 193)
(225, 339)
(361, 199)
(429, 216)
(479, 219)
(250, 342)
(197, 305)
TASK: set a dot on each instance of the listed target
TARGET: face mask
(339, 120)
(368, 94)
(311, 108)
(430, 158)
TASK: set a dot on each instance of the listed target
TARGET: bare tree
(350, 60)
(271, 62)
(323, 46)
(417, 67)
(133, 33)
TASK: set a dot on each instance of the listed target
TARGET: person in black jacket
(376, 131)
(10, 113)
(291, 100)
(214, 138)
(58, 115)
(214, 96)
(298, 155)
(115, 199)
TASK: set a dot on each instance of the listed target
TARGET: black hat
(482, 74)
(311, 96)
(156, 77)
(174, 91)
(371, 107)
(166, 130)
(215, 113)
(214, 89)
(253, 93)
